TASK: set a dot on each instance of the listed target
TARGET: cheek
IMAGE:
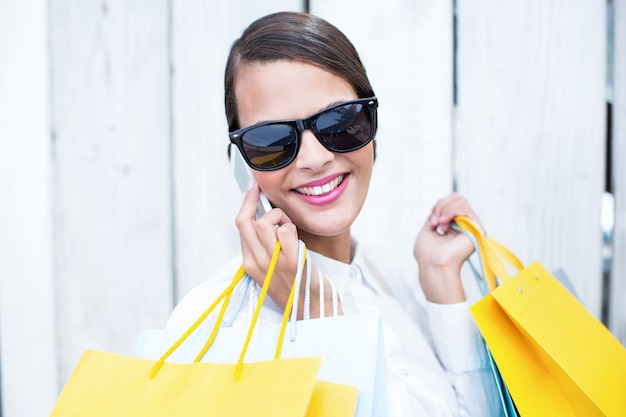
(270, 181)
(365, 161)
(364, 158)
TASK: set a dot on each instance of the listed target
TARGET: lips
(320, 188)
(323, 191)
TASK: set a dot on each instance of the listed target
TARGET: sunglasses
(344, 127)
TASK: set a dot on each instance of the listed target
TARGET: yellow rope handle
(225, 297)
(506, 254)
(491, 253)
(225, 294)
(257, 311)
(288, 307)
(216, 328)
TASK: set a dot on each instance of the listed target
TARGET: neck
(335, 247)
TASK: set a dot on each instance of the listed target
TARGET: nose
(312, 154)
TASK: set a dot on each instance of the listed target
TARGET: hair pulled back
(293, 36)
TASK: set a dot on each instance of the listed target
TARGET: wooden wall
(531, 132)
(617, 317)
(28, 328)
(115, 193)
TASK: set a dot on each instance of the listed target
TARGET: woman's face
(321, 191)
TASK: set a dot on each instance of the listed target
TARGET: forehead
(283, 90)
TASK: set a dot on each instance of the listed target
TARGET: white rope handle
(297, 284)
(307, 295)
(333, 294)
(322, 295)
(307, 292)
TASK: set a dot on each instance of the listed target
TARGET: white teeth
(321, 189)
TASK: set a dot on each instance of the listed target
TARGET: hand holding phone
(243, 175)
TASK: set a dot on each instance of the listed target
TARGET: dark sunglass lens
(270, 145)
(346, 127)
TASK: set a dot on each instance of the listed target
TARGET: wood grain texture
(111, 161)
(406, 48)
(531, 130)
(617, 317)
(206, 197)
(27, 327)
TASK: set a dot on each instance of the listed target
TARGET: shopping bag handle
(301, 261)
(491, 252)
(288, 307)
(225, 297)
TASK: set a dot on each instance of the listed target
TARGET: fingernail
(433, 219)
(251, 184)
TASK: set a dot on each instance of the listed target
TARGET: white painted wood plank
(531, 129)
(206, 195)
(110, 102)
(617, 317)
(27, 339)
(406, 48)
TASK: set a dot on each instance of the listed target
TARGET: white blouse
(436, 360)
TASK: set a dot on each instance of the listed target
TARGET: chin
(328, 229)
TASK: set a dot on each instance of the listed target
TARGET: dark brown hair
(298, 37)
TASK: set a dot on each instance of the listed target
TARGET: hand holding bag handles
(105, 384)
(554, 356)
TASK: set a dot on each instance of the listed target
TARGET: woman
(316, 173)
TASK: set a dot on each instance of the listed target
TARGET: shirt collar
(341, 273)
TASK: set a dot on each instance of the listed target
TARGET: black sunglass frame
(300, 125)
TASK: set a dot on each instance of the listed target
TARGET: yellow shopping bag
(106, 385)
(554, 356)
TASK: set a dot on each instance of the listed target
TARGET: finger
(438, 210)
(441, 207)
(267, 225)
(288, 237)
(455, 207)
(246, 218)
(447, 209)
(257, 242)
(247, 211)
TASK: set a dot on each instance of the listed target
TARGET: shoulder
(195, 302)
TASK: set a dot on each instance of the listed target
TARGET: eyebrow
(328, 106)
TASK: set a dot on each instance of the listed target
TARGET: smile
(319, 190)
